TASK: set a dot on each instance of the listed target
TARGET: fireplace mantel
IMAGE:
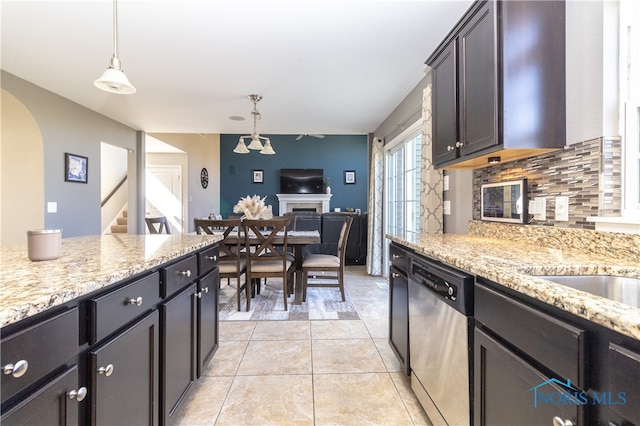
(321, 202)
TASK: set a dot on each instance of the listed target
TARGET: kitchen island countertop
(85, 264)
(514, 265)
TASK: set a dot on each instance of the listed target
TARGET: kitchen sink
(620, 289)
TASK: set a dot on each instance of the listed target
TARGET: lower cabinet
(178, 348)
(55, 403)
(399, 316)
(207, 334)
(123, 375)
(507, 385)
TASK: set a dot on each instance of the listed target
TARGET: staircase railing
(113, 191)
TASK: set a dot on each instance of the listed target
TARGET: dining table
(296, 239)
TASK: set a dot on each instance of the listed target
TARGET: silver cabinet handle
(186, 273)
(450, 148)
(557, 421)
(137, 301)
(198, 295)
(78, 395)
(107, 371)
(16, 370)
(395, 274)
(205, 290)
(459, 144)
(212, 258)
(395, 256)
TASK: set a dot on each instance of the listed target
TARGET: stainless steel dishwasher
(440, 340)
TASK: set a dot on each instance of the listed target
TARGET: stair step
(125, 213)
(122, 221)
(118, 229)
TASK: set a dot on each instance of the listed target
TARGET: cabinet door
(178, 316)
(124, 376)
(444, 103)
(478, 82)
(399, 316)
(207, 318)
(49, 404)
(505, 389)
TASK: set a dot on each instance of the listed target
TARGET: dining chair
(161, 222)
(327, 263)
(232, 262)
(267, 256)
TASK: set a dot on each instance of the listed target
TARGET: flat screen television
(301, 181)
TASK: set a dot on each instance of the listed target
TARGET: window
(402, 172)
(630, 103)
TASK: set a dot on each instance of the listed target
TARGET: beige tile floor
(317, 372)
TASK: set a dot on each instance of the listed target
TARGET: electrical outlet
(445, 183)
(538, 208)
(447, 207)
(562, 209)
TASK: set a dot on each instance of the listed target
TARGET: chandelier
(256, 142)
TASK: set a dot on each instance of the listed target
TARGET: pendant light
(256, 142)
(114, 80)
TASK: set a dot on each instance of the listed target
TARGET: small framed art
(257, 176)
(76, 168)
(349, 177)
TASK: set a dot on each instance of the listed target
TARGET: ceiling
(322, 66)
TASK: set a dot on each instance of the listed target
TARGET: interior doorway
(164, 194)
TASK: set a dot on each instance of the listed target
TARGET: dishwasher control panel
(436, 283)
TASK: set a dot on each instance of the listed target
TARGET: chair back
(229, 229)
(161, 222)
(267, 239)
(344, 236)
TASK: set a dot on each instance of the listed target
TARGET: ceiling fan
(309, 134)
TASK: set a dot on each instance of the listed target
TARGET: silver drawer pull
(78, 395)
(395, 274)
(557, 421)
(107, 371)
(214, 258)
(459, 144)
(16, 370)
(198, 295)
(186, 273)
(205, 290)
(137, 301)
(396, 256)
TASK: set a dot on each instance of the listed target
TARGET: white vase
(328, 190)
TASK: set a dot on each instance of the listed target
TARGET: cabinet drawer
(109, 312)
(399, 258)
(624, 366)
(557, 345)
(208, 259)
(45, 347)
(176, 276)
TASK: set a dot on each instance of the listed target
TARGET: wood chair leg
(285, 290)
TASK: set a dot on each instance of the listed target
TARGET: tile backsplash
(589, 173)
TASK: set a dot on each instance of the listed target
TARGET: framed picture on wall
(257, 176)
(349, 177)
(76, 168)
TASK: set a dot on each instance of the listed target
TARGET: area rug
(321, 303)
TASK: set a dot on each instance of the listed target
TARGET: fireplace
(288, 202)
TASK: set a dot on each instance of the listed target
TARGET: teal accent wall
(334, 154)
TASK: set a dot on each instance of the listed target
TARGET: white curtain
(375, 232)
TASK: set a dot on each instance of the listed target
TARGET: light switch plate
(445, 183)
(562, 209)
(52, 207)
(540, 208)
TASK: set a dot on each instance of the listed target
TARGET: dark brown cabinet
(123, 374)
(498, 84)
(399, 305)
(207, 319)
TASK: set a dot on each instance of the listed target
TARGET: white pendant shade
(268, 149)
(115, 81)
(255, 143)
(241, 148)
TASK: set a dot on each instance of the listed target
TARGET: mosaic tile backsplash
(588, 173)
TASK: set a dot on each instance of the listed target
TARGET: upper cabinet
(499, 84)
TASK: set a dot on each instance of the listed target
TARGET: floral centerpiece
(253, 208)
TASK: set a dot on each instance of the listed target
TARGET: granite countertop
(512, 265)
(85, 264)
